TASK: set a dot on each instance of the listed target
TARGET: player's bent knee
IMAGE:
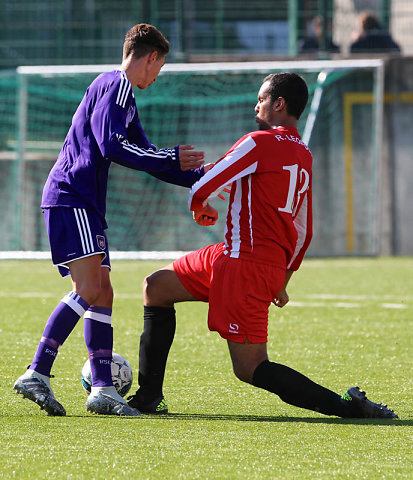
(243, 374)
(89, 293)
(155, 289)
(148, 287)
(96, 294)
(152, 292)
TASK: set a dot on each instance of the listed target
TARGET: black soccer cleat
(365, 408)
(155, 406)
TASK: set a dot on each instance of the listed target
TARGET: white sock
(110, 391)
(32, 373)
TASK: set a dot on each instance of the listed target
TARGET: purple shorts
(74, 233)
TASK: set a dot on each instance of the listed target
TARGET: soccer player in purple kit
(105, 128)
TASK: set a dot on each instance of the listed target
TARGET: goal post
(209, 105)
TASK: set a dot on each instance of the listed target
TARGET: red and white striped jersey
(270, 211)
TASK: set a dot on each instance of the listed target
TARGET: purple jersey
(105, 129)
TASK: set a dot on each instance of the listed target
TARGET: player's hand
(208, 166)
(206, 217)
(189, 159)
(281, 299)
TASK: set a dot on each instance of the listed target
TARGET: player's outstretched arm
(240, 161)
(190, 159)
(178, 177)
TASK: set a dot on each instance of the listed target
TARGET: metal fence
(92, 31)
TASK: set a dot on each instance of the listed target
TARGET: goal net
(209, 106)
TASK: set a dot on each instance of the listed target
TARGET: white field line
(400, 306)
(334, 296)
(365, 299)
(51, 295)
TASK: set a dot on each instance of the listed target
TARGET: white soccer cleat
(107, 401)
(36, 387)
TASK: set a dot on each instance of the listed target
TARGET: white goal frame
(322, 66)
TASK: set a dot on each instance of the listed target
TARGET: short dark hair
(292, 88)
(368, 21)
(142, 39)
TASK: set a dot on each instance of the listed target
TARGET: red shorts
(195, 270)
(239, 291)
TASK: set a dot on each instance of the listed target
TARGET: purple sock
(98, 334)
(59, 326)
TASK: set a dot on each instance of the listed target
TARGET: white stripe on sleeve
(240, 151)
(141, 152)
(124, 89)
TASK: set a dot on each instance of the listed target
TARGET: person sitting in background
(313, 43)
(372, 36)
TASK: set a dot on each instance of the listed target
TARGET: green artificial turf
(349, 322)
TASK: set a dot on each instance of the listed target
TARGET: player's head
(282, 96)
(142, 39)
(145, 47)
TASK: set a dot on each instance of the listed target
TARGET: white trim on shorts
(65, 265)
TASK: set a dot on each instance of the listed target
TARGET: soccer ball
(122, 376)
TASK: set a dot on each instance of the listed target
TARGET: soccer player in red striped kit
(268, 230)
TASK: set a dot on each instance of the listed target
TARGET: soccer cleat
(107, 405)
(364, 407)
(158, 406)
(36, 389)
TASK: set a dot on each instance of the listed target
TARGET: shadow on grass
(218, 417)
(282, 419)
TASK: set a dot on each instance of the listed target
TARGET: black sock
(156, 340)
(298, 390)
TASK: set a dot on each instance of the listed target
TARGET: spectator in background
(313, 43)
(372, 36)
